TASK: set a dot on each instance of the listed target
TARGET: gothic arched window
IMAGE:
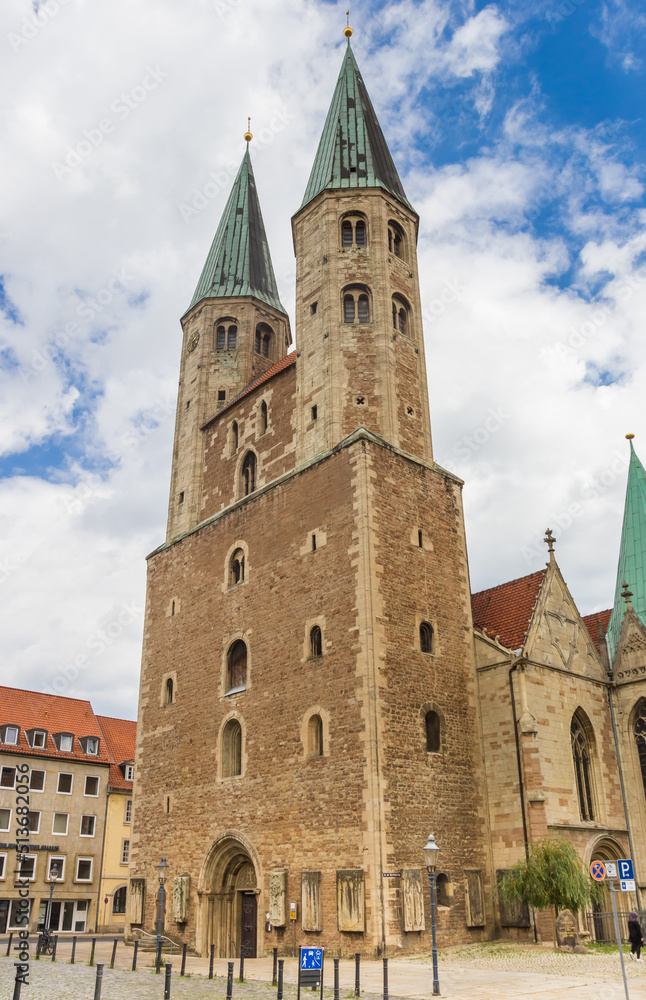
(426, 637)
(232, 749)
(640, 739)
(433, 732)
(582, 759)
(236, 568)
(237, 667)
(248, 474)
(316, 642)
(315, 736)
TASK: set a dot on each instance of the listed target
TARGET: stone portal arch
(228, 890)
(606, 848)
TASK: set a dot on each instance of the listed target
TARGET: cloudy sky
(518, 134)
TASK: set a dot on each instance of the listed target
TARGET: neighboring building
(319, 690)
(66, 749)
(120, 737)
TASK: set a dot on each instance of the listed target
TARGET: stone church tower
(308, 709)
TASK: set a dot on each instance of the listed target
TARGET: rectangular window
(34, 822)
(7, 777)
(79, 915)
(3, 865)
(92, 746)
(60, 823)
(84, 869)
(125, 852)
(18, 915)
(11, 735)
(65, 783)
(222, 395)
(5, 819)
(27, 867)
(56, 865)
(88, 824)
(38, 740)
(127, 818)
(130, 772)
(315, 413)
(37, 781)
(66, 743)
(313, 308)
(91, 785)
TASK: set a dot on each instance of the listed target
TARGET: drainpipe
(105, 827)
(521, 784)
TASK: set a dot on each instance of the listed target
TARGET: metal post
(114, 953)
(159, 923)
(72, 959)
(17, 986)
(241, 977)
(98, 982)
(167, 981)
(183, 969)
(336, 979)
(357, 974)
(158, 957)
(281, 965)
(385, 961)
(92, 953)
(49, 906)
(38, 947)
(436, 980)
(621, 954)
(274, 971)
(229, 980)
(54, 948)
(11, 939)
(134, 955)
(211, 961)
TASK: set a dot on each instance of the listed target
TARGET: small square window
(39, 740)
(315, 413)
(7, 777)
(37, 781)
(64, 783)
(84, 870)
(34, 822)
(222, 395)
(313, 308)
(5, 819)
(11, 735)
(66, 743)
(60, 823)
(56, 868)
(91, 785)
(88, 826)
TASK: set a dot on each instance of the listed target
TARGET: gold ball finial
(347, 31)
(248, 136)
(629, 437)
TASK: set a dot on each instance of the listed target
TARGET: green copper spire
(239, 262)
(352, 152)
(632, 555)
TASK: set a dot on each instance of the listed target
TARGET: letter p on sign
(625, 867)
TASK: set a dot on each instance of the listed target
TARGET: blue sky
(519, 134)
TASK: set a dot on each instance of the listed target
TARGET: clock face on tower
(193, 342)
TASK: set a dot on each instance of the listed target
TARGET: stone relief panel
(277, 898)
(311, 912)
(136, 900)
(181, 893)
(413, 899)
(246, 877)
(351, 900)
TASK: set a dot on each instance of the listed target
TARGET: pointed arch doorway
(230, 899)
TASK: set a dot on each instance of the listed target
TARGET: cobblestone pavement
(482, 972)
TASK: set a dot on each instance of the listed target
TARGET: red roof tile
(506, 611)
(53, 714)
(592, 623)
(120, 736)
(280, 366)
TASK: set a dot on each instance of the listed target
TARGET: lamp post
(52, 877)
(161, 868)
(431, 852)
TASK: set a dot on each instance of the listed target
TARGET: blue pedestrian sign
(311, 958)
(625, 868)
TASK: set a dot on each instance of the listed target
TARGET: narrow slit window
(426, 637)
(364, 309)
(232, 749)
(348, 308)
(316, 642)
(314, 413)
(433, 734)
(315, 736)
(360, 233)
(346, 234)
(169, 691)
(232, 338)
(220, 338)
(419, 538)
(237, 667)
(264, 417)
(249, 474)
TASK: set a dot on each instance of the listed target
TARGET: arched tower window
(582, 758)
(316, 642)
(356, 304)
(248, 474)
(169, 692)
(237, 667)
(264, 417)
(226, 334)
(232, 749)
(640, 739)
(348, 308)
(220, 338)
(395, 239)
(264, 336)
(354, 232)
(236, 568)
(232, 337)
(433, 732)
(401, 313)
(426, 637)
(346, 233)
(315, 736)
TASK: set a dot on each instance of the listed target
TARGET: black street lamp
(431, 852)
(161, 868)
(52, 876)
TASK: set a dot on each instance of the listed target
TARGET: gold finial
(347, 31)
(248, 136)
(629, 437)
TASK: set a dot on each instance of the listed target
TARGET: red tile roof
(506, 611)
(592, 623)
(280, 366)
(120, 736)
(54, 714)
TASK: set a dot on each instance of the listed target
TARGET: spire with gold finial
(347, 31)
(550, 539)
(248, 136)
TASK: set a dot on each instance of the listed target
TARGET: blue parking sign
(311, 958)
(625, 868)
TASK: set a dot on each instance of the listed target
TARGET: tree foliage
(553, 876)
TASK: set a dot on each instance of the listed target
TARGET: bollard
(17, 986)
(91, 962)
(38, 947)
(357, 973)
(281, 965)
(183, 969)
(99, 980)
(54, 948)
(167, 981)
(72, 959)
(9, 945)
(114, 953)
(229, 980)
(385, 961)
(336, 979)
(211, 961)
(241, 977)
(158, 957)
(275, 968)
(134, 955)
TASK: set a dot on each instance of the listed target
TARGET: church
(320, 689)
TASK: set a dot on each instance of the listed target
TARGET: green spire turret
(632, 555)
(239, 262)
(353, 152)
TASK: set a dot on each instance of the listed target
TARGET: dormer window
(90, 745)
(10, 735)
(37, 739)
(129, 772)
(64, 742)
